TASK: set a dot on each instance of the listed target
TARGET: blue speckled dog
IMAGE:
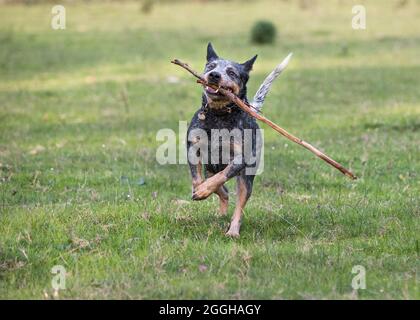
(217, 112)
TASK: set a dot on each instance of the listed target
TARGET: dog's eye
(211, 66)
(231, 73)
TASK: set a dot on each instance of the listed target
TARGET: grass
(74, 156)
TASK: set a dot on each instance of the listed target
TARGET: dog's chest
(225, 135)
(214, 122)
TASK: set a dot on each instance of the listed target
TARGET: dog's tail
(265, 86)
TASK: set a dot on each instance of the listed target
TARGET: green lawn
(74, 155)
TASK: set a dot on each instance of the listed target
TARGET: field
(80, 186)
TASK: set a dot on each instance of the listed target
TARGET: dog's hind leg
(243, 192)
(223, 194)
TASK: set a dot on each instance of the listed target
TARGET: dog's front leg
(196, 143)
(212, 184)
(196, 175)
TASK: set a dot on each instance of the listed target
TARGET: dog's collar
(221, 111)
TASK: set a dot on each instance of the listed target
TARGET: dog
(217, 113)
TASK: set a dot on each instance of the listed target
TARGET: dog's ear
(211, 54)
(248, 64)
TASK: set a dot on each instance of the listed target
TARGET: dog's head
(231, 75)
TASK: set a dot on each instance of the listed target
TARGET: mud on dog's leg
(210, 185)
(213, 183)
(243, 192)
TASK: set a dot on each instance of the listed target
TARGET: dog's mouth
(215, 92)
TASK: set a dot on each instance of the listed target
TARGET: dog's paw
(233, 231)
(232, 234)
(203, 190)
(201, 193)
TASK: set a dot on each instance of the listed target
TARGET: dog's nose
(214, 77)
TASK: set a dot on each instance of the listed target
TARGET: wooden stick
(248, 109)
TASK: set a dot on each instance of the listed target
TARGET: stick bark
(250, 110)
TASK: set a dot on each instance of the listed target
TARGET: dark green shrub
(263, 32)
(147, 6)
